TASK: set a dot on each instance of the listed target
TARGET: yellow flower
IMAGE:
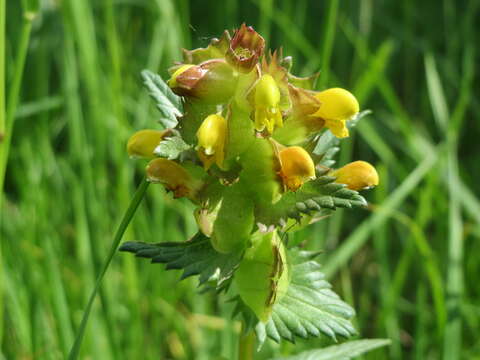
(143, 142)
(173, 80)
(211, 140)
(357, 175)
(297, 167)
(267, 100)
(337, 106)
(172, 175)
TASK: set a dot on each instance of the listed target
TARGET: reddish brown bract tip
(245, 49)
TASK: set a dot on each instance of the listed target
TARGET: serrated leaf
(321, 193)
(345, 351)
(169, 104)
(171, 147)
(195, 257)
(309, 307)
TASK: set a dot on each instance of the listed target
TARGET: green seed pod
(234, 223)
(263, 277)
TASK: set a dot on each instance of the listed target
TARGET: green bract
(253, 144)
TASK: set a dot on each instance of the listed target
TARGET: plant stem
(132, 208)
(245, 344)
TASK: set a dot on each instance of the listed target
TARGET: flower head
(267, 99)
(143, 143)
(172, 175)
(297, 167)
(211, 140)
(357, 175)
(337, 106)
(246, 47)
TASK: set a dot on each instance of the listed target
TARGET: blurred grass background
(409, 265)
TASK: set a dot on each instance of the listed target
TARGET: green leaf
(316, 195)
(169, 104)
(309, 307)
(171, 147)
(345, 351)
(195, 257)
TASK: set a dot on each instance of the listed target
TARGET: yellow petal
(337, 127)
(357, 175)
(173, 80)
(267, 93)
(337, 104)
(211, 140)
(297, 167)
(172, 175)
(143, 142)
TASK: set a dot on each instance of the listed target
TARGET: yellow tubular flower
(337, 106)
(143, 142)
(172, 175)
(297, 167)
(173, 80)
(211, 140)
(357, 175)
(267, 99)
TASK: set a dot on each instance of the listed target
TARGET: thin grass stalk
(132, 208)
(14, 93)
(2, 134)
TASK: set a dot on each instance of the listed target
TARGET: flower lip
(172, 175)
(246, 47)
(143, 143)
(337, 106)
(211, 140)
(267, 111)
(297, 167)
(357, 175)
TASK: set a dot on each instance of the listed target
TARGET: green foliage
(84, 60)
(319, 194)
(171, 147)
(169, 104)
(345, 351)
(309, 308)
(194, 257)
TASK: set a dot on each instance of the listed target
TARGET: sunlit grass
(408, 264)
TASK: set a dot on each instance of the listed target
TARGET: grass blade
(137, 198)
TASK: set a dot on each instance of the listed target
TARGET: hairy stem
(132, 208)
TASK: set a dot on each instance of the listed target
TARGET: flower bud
(212, 81)
(267, 110)
(173, 80)
(143, 142)
(211, 140)
(171, 175)
(337, 106)
(297, 167)
(245, 49)
(262, 277)
(357, 175)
